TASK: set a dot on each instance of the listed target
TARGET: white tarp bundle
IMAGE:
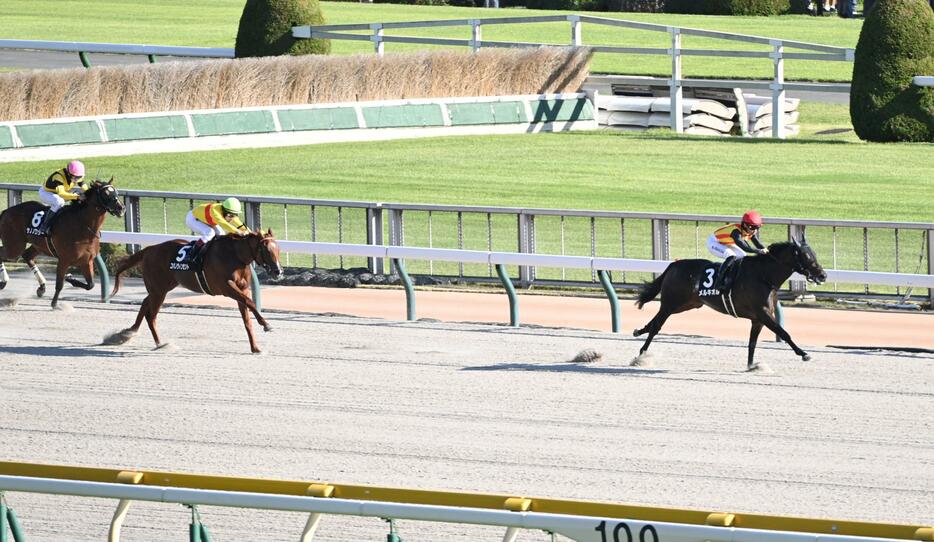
(700, 116)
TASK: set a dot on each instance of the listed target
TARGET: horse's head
(267, 253)
(105, 195)
(802, 259)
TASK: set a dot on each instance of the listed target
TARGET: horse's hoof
(267, 328)
(2, 285)
(255, 351)
(806, 357)
(40, 291)
(636, 333)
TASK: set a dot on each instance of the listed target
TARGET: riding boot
(46, 222)
(195, 254)
(721, 283)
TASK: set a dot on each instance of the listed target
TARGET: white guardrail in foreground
(513, 258)
(579, 528)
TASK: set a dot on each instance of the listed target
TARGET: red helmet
(752, 218)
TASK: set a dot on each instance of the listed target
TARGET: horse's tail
(126, 264)
(650, 289)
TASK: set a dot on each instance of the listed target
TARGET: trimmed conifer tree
(266, 28)
(895, 44)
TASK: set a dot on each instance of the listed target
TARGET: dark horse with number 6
(226, 271)
(74, 238)
(753, 295)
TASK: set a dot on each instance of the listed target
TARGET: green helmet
(232, 206)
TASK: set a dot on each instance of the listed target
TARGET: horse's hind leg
(653, 327)
(29, 256)
(59, 281)
(153, 304)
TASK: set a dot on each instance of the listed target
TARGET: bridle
(263, 256)
(797, 266)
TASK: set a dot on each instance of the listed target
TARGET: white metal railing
(576, 527)
(82, 48)
(778, 52)
(923, 80)
(514, 258)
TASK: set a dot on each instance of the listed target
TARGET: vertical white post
(511, 534)
(310, 527)
(577, 38)
(475, 34)
(377, 38)
(113, 535)
(778, 91)
(675, 90)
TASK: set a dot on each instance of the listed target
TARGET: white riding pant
(204, 231)
(720, 250)
(54, 201)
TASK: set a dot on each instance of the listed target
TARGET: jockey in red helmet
(734, 239)
(66, 184)
(732, 242)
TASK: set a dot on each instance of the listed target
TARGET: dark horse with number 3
(74, 238)
(226, 271)
(753, 295)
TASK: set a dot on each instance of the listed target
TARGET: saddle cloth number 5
(182, 253)
(710, 273)
(37, 218)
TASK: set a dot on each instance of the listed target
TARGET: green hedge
(895, 44)
(729, 7)
(266, 28)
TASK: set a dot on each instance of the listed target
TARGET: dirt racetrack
(438, 405)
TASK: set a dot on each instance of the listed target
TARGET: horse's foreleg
(753, 339)
(29, 256)
(87, 270)
(59, 281)
(4, 277)
(780, 332)
(245, 314)
(653, 327)
(241, 297)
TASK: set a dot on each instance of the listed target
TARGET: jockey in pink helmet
(66, 184)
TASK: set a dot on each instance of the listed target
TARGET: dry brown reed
(289, 80)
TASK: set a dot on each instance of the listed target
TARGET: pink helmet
(752, 218)
(75, 168)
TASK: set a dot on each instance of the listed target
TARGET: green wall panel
(239, 122)
(6, 137)
(332, 118)
(146, 128)
(38, 135)
(403, 116)
(561, 110)
(487, 113)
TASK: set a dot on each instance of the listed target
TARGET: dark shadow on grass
(565, 368)
(59, 351)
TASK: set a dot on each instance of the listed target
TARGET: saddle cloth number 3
(37, 218)
(182, 253)
(710, 274)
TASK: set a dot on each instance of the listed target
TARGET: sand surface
(453, 406)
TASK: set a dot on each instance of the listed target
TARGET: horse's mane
(238, 238)
(96, 186)
(780, 246)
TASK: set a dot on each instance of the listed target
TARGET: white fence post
(778, 91)
(475, 34)
(577, 38)
(930, 234)
(676, 92)
(377, 38)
